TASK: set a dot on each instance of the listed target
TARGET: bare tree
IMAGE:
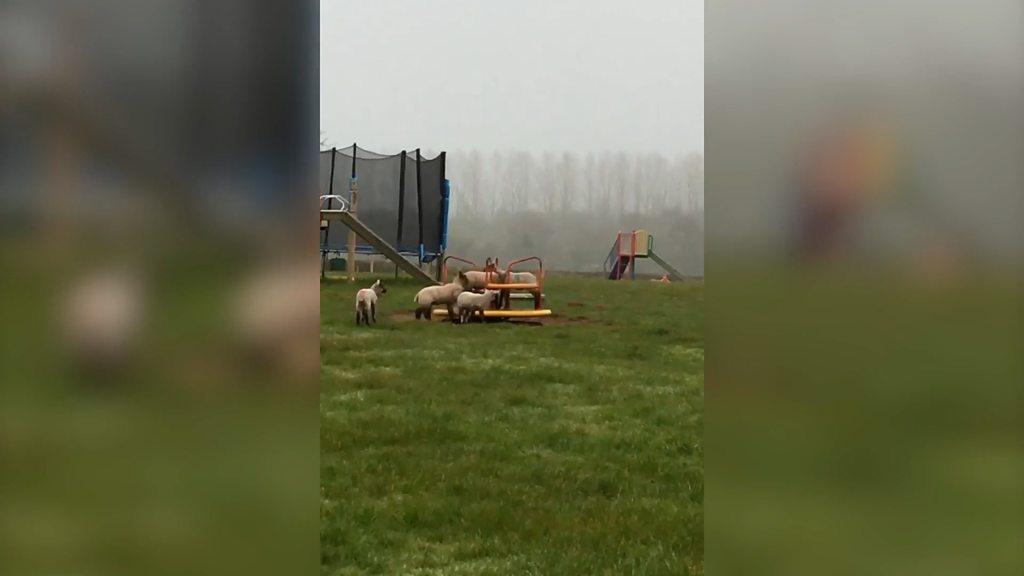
(620, 182)
(547, 183)
(694, 170)
(498, 188)
(567, 182)
(472, 172)
(591, 182)
(518, 173)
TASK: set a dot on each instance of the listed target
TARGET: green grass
(569, 448)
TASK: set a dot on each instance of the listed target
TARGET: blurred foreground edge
(160, 341)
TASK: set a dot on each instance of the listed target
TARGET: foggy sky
(567, 75)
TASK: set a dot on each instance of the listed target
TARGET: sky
(540, 75)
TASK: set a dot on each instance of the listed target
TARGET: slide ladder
(622, 257)
(377, 242)
(619, 268)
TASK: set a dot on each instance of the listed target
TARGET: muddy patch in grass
(573, 319)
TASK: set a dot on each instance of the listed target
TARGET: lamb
(366, 303)
(446, 294)
(469, 303)
(478, 279)
(507, 277)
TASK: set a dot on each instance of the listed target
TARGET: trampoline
(402, 197)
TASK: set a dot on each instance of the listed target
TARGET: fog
(564, 123)
(567, 208)
(940, 108)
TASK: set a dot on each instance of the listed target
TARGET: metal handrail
(444, 265)
(612, 258)
(540, 269)
(329, 197)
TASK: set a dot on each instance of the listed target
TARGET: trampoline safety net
(401, 198)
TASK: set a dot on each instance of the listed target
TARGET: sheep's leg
(357, 317)
(451, 314)
(373, 312)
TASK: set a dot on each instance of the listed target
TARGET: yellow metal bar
(503, 313)
(513, 286)
(516, 313)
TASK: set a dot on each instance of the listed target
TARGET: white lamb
(366, 303)
(506, 277)
(446, 294)
(469, 303)
(478, 279)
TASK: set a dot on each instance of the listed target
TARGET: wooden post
(325, 255)
(350, 265)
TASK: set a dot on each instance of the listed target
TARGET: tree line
(567, 207)
(488, 184)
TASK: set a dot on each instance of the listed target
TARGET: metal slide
(664, 265)
(377, 242)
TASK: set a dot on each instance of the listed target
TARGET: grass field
(574, 447)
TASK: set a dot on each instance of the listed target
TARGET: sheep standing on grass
(507, 277)
(446, 294)
(366, 303)
(469, 303)
(478, 279)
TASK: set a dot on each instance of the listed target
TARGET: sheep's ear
(488, 263)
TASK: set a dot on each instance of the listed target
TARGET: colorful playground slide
(627, 248)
